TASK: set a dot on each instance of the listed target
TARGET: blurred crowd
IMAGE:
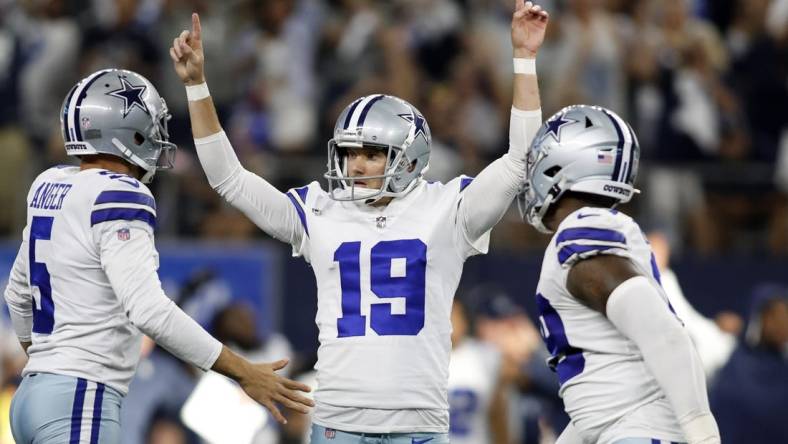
(702, 82)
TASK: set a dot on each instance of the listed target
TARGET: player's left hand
(529, 23)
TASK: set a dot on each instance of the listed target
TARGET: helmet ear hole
(552, 171)
(139, 138)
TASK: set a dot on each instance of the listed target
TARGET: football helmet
(582, 148)
(118, 112)
(386, 123)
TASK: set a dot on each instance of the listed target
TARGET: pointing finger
(196, 27)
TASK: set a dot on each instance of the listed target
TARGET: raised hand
(187, 54)
(529, 23)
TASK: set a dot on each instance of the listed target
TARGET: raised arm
(488, 197)
(267, 207)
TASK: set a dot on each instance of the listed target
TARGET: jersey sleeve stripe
(300, 210)
(591, 234)
(570, 250)
(464, 182)
(129, 197)
(110, 214)
(302, 192)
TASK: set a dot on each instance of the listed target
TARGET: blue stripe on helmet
(132, 197)
(110, 214)
(619, 148)
(632, 147)
(367, 108)
(66, 128)
(300, 211)
(95, 426)
(590, 234)
(76, 410)
(81, 97)
(350, 112)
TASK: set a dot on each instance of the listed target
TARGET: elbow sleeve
(217, 158)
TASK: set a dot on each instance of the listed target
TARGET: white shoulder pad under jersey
(602, 374)
(75, 311)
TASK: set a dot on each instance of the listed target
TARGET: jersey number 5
(384, 284)
(44, 307)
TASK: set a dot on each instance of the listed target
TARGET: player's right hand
(263, 385)
(187, 54)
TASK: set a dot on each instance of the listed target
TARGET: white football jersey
(386, 278)
(608, 391)
(474, 372)
(79, 222)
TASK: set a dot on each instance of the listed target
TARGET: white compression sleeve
(489, 195)
(261, 202)
(130, 266)
(639, 312)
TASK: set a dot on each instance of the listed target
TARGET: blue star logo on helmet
(131, 96)
(554, 126)
(418, 120)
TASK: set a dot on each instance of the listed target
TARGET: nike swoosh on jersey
(580, 216)
(421, 441)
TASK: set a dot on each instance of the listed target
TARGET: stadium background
(703, 82)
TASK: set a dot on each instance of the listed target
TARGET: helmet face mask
(120, 113)
(378, 122)
(581, 148)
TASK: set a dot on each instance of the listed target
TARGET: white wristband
(525, 66)
(197, 92)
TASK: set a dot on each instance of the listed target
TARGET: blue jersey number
(411, 286)
(566, 360)
(463, 404)
(44, 307)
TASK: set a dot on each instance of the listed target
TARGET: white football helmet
(582, 148)
(387, 123)
(118, 112)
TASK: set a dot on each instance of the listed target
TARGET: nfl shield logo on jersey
(330, 433)
(124, 234)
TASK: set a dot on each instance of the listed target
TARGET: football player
(477, 390)
(387, 248)
(628, 370)
(84, 286)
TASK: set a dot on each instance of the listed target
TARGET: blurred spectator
(477, 390)
(713, 342)
(536, 412)
(588, 64)
(751, 391)
(235, 327)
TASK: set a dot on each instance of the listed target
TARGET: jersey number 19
(384, 284)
